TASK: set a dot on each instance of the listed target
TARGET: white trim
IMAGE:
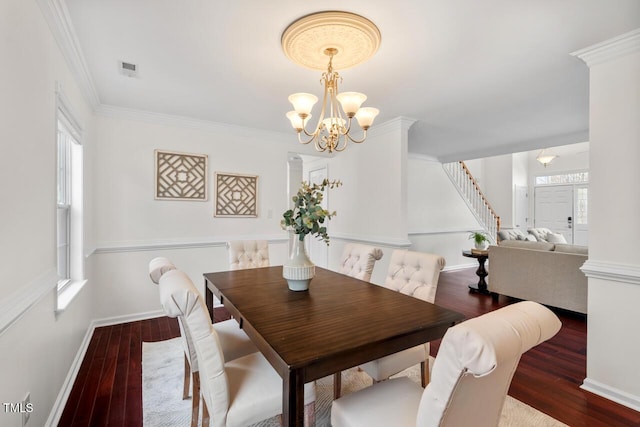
(57, 16)
(613, 271)
(67, 386)
(393, 125)
(127, 318)
(19, 302)
(610, 49)
(442, 231)
(111, 247)
(68, 294)
(459, 267)
(611, 393)
(423, 157)
(375, 240)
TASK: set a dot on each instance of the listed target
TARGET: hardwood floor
(108, 388)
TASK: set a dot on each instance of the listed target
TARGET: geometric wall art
(180, 176)
(236, 195)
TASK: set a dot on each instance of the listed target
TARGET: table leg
(293, 399)
(481, 287)
(208, 296)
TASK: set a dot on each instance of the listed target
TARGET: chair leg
(206, 421)
(187, 378)
(337, 385)
(195, 402)
(310, 414)
(424, 370)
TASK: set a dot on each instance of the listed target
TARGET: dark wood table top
(340, 322)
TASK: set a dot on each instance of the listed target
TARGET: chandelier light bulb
(351, 102)
(365, 116)
(303, 103)
(297, 122)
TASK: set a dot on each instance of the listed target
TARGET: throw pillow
(530, 238)
(555, 238)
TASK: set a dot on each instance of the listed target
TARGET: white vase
(482, 245)
(298, 269)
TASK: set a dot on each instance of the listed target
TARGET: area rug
(162, 376)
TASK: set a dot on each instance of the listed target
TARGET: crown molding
(610, 49)
(57, 16)
(393, 125)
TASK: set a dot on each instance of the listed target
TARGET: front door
(554, 209)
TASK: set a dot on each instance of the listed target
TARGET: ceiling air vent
(128, 69)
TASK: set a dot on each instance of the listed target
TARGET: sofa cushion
(572, 249)
(527, 238)
(539, 233)
(513, 234)
(555, 238)
(540, 246)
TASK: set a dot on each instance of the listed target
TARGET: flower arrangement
(307, 215)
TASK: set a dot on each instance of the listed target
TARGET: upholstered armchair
(235, 393)
(358, 260)
(415, 274)
(470, 379)
(248, 254)
(233, 341)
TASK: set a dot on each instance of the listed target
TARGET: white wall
(613, 267)
(132, 227)
(37, 348)
(439, 220)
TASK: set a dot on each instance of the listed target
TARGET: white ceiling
(482, 77)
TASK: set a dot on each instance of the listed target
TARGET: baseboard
(459, 267)
(612, 394)
(67, 386)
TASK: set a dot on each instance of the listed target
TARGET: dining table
(338, 323)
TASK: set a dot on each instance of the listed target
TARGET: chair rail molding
(153, 245)
(617, 272)
(20, 301)
(372, 240)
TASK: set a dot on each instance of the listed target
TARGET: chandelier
(336, 37)
(545, 157)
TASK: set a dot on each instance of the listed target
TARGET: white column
(613, 267)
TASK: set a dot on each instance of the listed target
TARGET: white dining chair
(470, 379)
(235, 393)
(248, 254)
(358, 260)
(233, 341)
(415, 274)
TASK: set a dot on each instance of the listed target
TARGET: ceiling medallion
(324, 41)
(306, 40)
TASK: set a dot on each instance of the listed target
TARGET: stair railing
(475, 199)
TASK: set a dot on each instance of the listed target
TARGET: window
(563, 178)
(69, 232)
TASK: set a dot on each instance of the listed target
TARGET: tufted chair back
(358, 260)
(414, 273)
(248, 254)
(158, 266)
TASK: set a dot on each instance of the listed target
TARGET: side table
(482, 257)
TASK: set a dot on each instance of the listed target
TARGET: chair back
(180, 298)
(158, 266)
(358, 260)
(476, 362)
(248, 254)
(414, 273)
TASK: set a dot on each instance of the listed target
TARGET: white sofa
(544, 272)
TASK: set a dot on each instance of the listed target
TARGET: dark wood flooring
(108, 388)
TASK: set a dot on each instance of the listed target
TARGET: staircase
(468, 188)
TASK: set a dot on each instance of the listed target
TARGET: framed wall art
(180, 176)
(236, 195)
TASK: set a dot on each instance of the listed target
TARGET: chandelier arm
(312, 135)
(357, 141)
